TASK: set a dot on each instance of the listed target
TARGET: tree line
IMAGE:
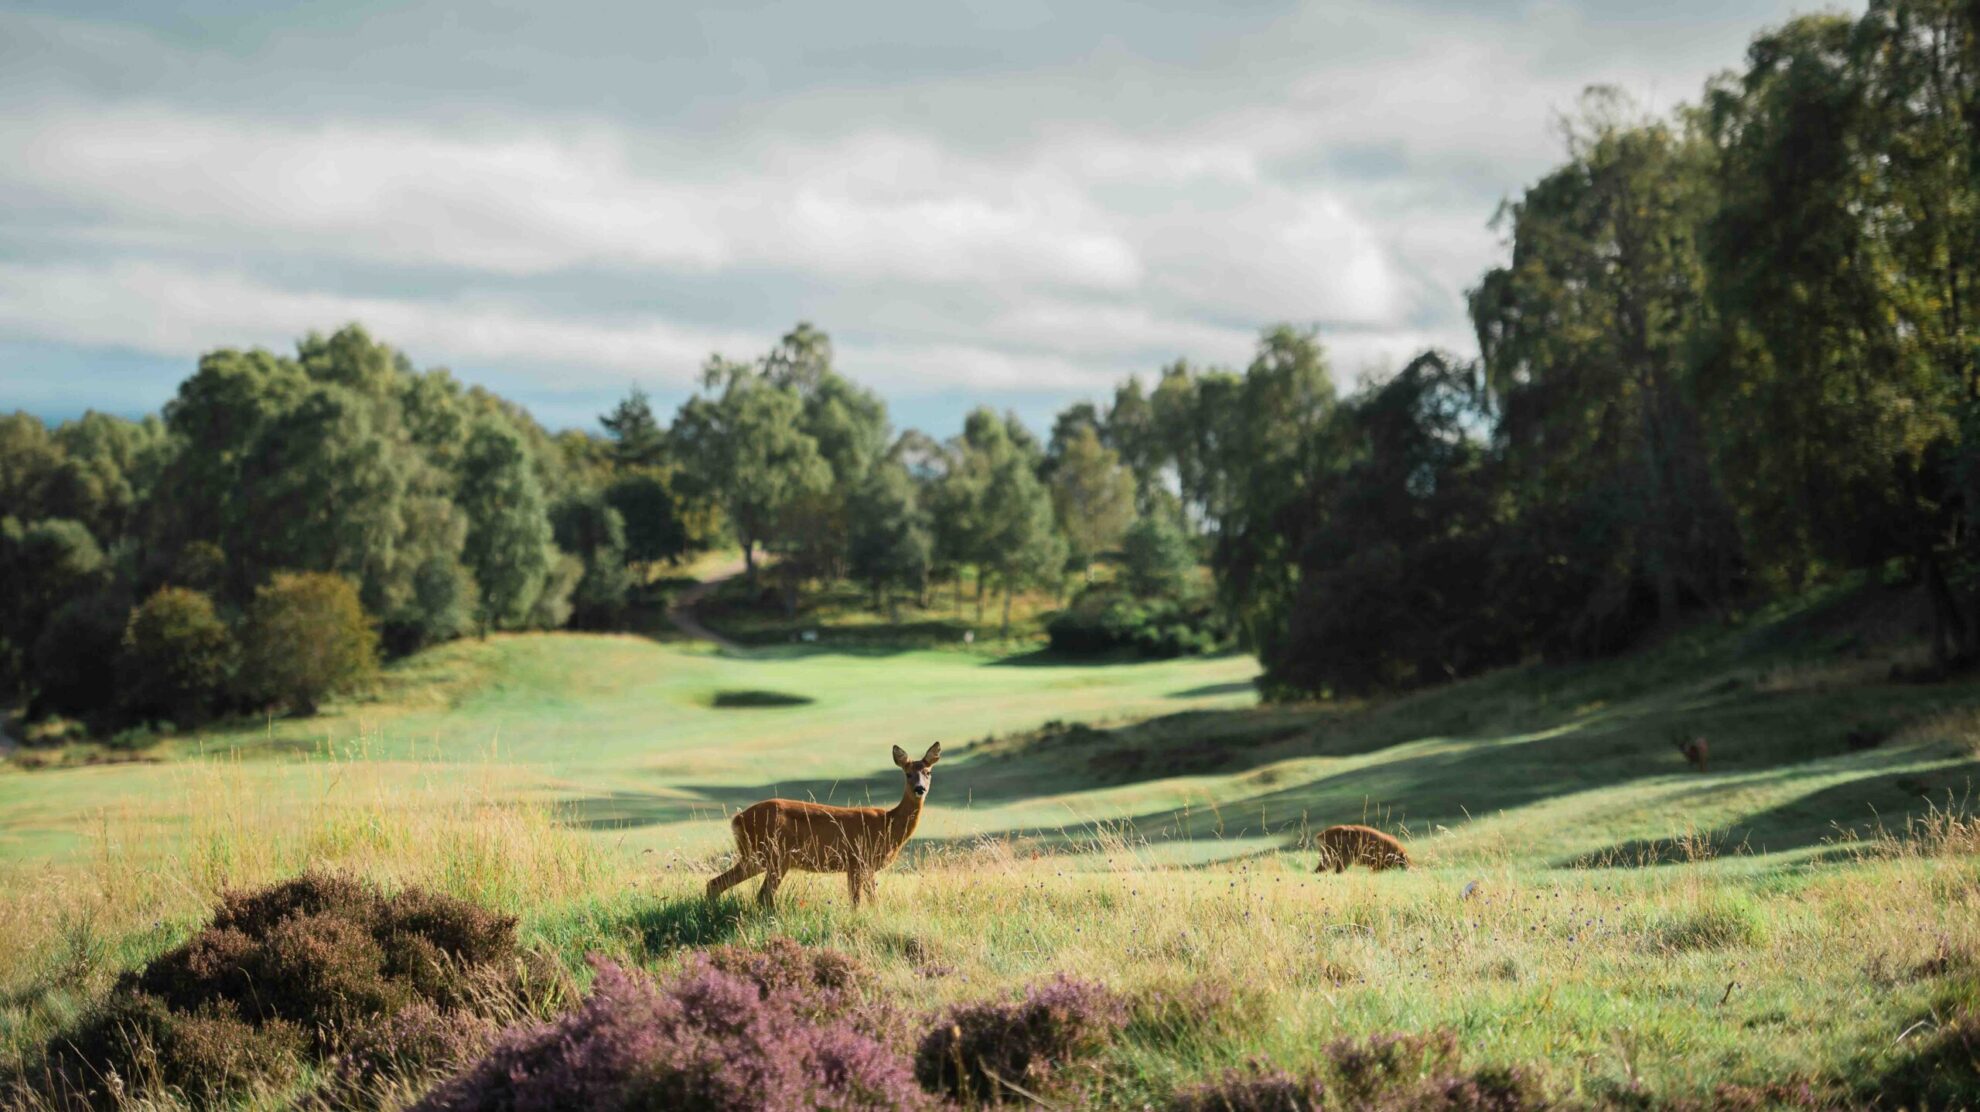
(1733, 351)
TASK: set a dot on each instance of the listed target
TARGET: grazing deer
(1341, 846)
(1694, 749)
(777, 836)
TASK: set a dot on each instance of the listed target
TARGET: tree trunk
(979, 593)
(749, 559)
(1948, 624)
(1007, 608)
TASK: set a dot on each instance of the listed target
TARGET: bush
(73, 662)
(306, 637)
(178, 657)
(1258, 1088)
(1105, 620)
(206, 1054)
(973, 1051)
(708, 1040)
(329, 954)
(417, 1039)
(1382, 1073)
(319, 966)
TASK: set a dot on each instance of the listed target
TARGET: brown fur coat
(1341, 846)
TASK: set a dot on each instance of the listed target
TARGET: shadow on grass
(1448, 780)
(1832, 814)
(629, 810)
(1055, 658)
(733, 700)
(1238, 687)
(684, 924)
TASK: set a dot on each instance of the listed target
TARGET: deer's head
(918, 774)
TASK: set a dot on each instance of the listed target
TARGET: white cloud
(169, 311)
(873, 207)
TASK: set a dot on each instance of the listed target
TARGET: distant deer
(778, 836)
(1694, 749)
(1341, 846)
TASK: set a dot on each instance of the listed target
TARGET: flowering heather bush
(707, 1040)
(974, 1047)
(817, 982)
(320, 965)
(418, 1038)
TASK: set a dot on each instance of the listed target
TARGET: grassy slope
(1554, 789)
(627, 735)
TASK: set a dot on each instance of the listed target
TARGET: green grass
(644, 743)
(1584, 903)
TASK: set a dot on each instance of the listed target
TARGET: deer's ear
(900, 756)
(934, 754)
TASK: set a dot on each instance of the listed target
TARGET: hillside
(1585, 906)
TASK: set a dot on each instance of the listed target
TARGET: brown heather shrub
(329, 953)
(1382, 1073)
(1759, 1098)
(320, 966)
(1259, 1087)
(133, 1042)
(979, 1051)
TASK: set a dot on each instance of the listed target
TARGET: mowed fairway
(650, 744)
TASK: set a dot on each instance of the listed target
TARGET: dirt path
(682, 612)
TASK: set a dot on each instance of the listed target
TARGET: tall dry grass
(1616, 976)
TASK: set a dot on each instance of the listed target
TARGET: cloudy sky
(1009, 202)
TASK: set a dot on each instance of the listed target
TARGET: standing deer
(777, 836)
(1694, 749)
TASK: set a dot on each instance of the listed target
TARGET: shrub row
(1107, 620)
(176, 658)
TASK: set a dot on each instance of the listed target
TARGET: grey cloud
(1005, 201)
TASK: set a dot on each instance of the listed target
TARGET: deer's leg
(742, 870)
(772, 877)
(855, 884)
